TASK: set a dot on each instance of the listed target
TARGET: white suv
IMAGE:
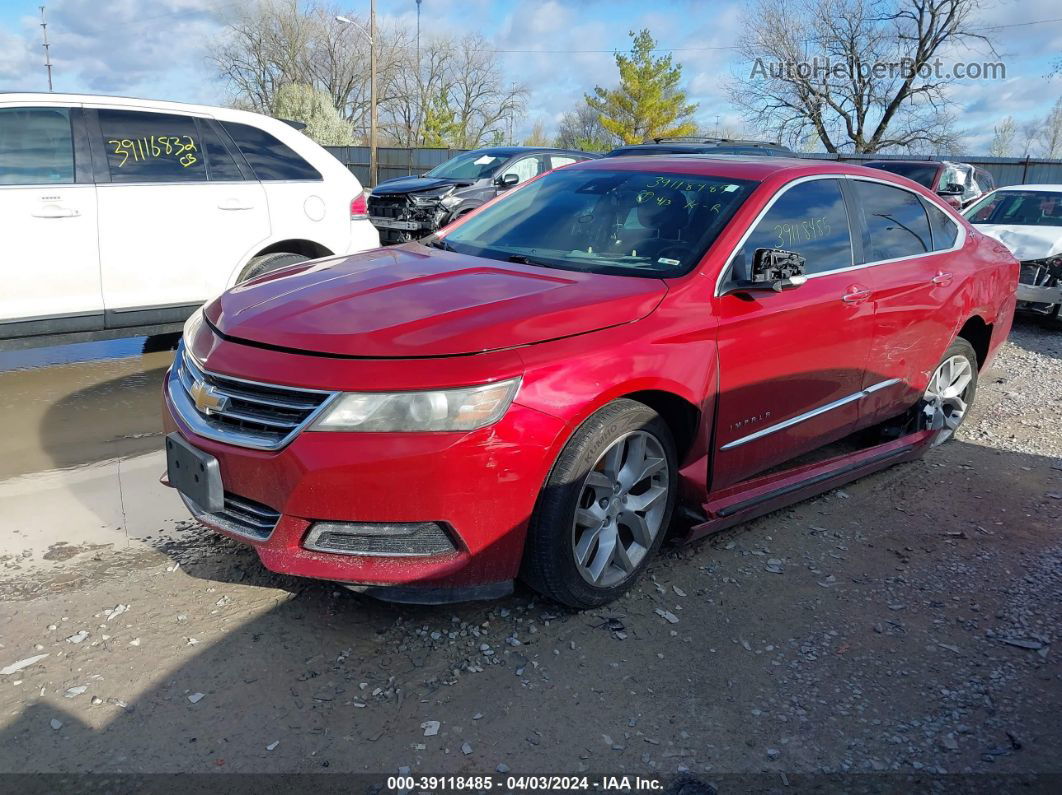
(122, 216)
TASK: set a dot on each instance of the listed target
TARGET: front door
(50, 262)
(176, 216)
(791, 364)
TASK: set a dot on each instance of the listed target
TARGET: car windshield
(639, 223)
(922, 173)
(470, 165)
(1018, 208)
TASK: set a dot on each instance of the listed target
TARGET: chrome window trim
(190, 416)
(807, 415)
(960, 238)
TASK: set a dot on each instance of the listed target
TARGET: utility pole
(418, 36)
(371, 35)
(372, 94)
(47, 48)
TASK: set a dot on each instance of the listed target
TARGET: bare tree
(1050, 132)
(1003, 135)
(582, 129)
(861, 75)
(483, 100)
(271, 44)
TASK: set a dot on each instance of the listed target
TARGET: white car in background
(1027, 219)
(122, 216)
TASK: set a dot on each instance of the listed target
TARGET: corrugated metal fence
(402, 161)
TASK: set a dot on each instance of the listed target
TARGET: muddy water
(67, 406)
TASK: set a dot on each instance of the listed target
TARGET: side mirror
(773, 269)
(951, 189)
(506, 181)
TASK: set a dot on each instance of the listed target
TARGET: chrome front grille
(240, 516)
(237, 411)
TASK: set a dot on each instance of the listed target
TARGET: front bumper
(1039, 295)
(482, 485)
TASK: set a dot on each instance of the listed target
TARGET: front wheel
(605, 509)
(950, 392)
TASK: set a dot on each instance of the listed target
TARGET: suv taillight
(359, 208)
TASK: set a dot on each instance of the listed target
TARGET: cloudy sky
(560, 50)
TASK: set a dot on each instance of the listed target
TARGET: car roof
(693, 148)
(908, 162)
(43, 96)
(1045, 187)
(732, 166)
(517, 150)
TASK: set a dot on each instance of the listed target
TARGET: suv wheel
(606, 507)
(951, 391)
(269, 262)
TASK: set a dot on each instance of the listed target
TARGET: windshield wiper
(520, 259)
(438, 242)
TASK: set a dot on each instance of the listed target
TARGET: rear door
(177, 214)
(50, 262)
(791, 364)
(910, 272)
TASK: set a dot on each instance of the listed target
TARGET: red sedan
(615, 348)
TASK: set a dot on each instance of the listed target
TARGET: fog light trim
(380, 539)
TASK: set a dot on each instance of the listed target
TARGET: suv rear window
(268, 157)
(151, 147)
(36, 147)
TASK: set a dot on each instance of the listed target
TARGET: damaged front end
(1040, 283)
(402, 217)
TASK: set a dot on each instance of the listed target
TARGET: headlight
(191, 325)
(464, 409)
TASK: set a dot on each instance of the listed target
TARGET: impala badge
(207, 399)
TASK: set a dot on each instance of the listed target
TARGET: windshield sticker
(156, 146)
(730, 188)
(666, 261)
(482, 161)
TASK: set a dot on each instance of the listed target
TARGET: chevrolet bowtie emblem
(207, 399)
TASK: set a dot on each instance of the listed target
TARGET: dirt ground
(905, 623)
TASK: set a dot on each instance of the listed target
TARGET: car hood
(411, 301)
(1026, 242)
(415, 185)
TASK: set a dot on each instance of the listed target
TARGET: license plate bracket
(197, 475)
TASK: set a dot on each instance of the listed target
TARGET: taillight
(359, 208)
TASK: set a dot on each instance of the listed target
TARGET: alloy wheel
(945, 397)
(621, 509)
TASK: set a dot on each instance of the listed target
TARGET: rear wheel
(269, 262)
(950, 392)
(605, 508)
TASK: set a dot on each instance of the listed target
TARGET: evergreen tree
(648, 103)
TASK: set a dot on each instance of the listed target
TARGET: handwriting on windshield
(180, 147)
(685, 185)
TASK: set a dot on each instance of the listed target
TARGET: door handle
(55, 211)
(941, 278)
(234, 204)
(856, 295)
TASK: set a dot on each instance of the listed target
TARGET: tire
(580, 480)
(942, 408)
(269, 262)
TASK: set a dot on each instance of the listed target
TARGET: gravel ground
(904, 623)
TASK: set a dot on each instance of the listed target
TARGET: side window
(524, 169)
(895, 219)
(809, 219)
(944, 229)
(556, 161)
(268, 157)
(151, 147)
(36, 146)
(223, 167)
